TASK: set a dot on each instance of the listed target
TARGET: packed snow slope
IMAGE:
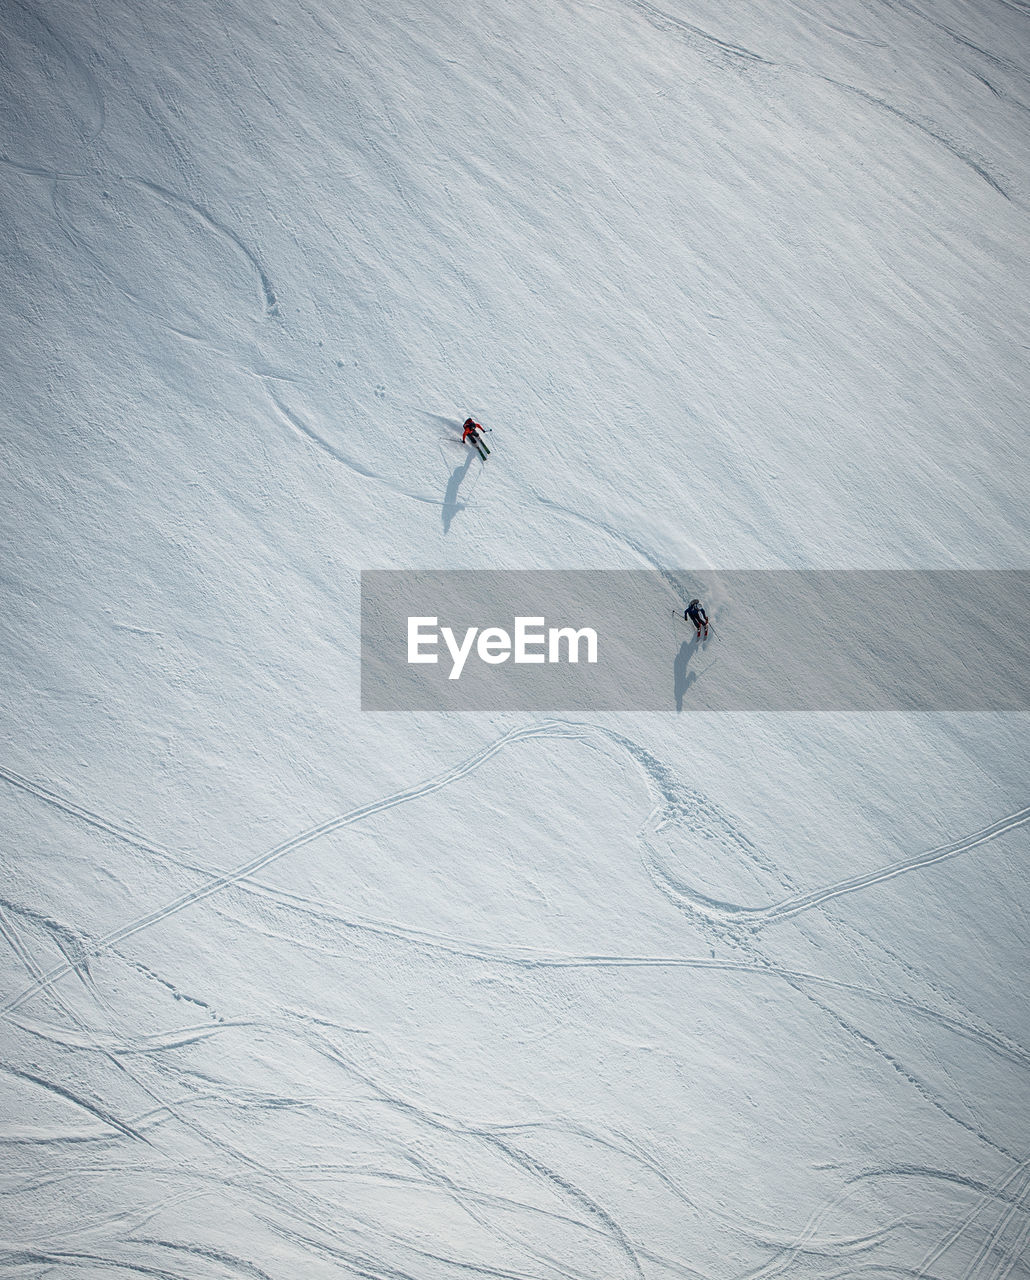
(289, 989)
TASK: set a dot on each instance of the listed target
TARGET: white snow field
(295, 990)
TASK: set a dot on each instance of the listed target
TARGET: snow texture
(290, 990)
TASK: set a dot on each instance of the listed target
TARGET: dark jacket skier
(695, 613)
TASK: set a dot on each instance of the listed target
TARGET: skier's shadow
(681, 681)
(451, 505)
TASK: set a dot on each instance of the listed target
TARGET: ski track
(343, 1251)
(992, 1242)
(672, 799)
(39, 171)
(487, 1136)
(756, 918)
(784, 1258)
(72, 60)
(215, 885)
(21, 1257)
(287, 1205)
(127, 1045)
(528, 960)
(616, 536)
(192, 208)
(108, 1046)
(996, 60)
(493, 1200)
(657, 778)
(433, 1174)
(743, 57)
(104, 1045)
(493, 1135)
(308, 432)
(987, 1196)
(762, 1235)
(219, 1257)
(673, 804)
(696, 36)
(977, 165)
(82, 1036)
(207, 219)
(84, 1104)
(999, 1195)
(464, 1197)
(435, 1177)
(14, 940)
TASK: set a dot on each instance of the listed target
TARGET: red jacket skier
(472, 432)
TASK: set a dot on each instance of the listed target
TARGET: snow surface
(292, 990)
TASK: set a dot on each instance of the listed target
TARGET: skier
(468, 433)
(695, 613)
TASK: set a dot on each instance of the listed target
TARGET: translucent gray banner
(813, 640)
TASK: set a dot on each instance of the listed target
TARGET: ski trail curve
(756, 918)
(308, 432)
(268, 294)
